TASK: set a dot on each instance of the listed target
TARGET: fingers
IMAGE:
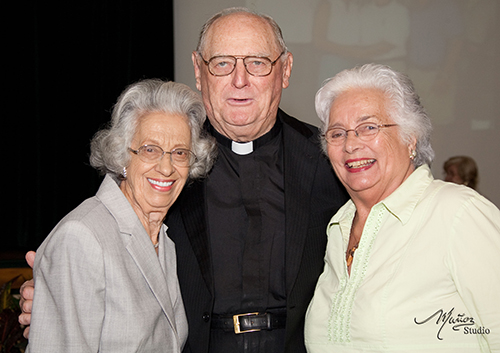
(27, 290)
(24, 319)
(26, 306)
(30, 258)
(26, 332)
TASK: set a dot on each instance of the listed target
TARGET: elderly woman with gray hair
(412, 263)
(106, 278)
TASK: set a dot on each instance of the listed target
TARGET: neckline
(243, 148)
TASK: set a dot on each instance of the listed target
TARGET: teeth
(360, 164)
(161, 184)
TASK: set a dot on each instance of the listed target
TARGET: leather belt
(249, 322)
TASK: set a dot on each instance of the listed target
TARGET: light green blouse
(425, 278)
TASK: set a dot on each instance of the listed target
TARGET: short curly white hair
(404, 108)
(109, 147)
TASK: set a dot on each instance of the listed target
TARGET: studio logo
(455, 322)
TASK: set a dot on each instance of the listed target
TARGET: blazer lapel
(140, 249)
(138, 244)
(195, 223)
(300, 162)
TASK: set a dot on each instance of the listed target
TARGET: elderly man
(250, 238)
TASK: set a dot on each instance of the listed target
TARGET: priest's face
(241, 106)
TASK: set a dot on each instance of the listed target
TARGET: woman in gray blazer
(106, 277)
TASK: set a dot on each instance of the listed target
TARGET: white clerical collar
(242, 148)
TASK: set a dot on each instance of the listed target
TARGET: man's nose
(240, 75)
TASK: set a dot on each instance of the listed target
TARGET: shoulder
(302, 128)
(454, 195)
(81, 228)
(91, 213)
(74, 244)
(461, 205)
(301, 140)
(306, 163)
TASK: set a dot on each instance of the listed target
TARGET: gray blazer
(100, 287)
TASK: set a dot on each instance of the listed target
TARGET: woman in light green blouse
(412, 263)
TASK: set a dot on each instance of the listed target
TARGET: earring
(413, 154)
(124, 172)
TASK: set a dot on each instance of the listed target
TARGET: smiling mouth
(162, 184)
(360, 164)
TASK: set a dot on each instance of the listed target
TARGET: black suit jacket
(313, 194)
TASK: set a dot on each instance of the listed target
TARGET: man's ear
(197, 70)
(287, 69)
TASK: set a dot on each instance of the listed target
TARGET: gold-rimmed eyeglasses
(223, 65)
(153, 154)
(336, 135)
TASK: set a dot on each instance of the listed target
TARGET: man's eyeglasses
(366, 131)
(225, 64)
(180, 157)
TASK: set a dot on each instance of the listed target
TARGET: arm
(475, 265)
(26, 291)
(68, 305)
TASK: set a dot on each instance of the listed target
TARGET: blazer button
(206, 317)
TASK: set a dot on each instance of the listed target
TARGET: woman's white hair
(109, 147)
(404, 106)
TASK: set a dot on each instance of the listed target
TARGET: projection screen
(449, 48)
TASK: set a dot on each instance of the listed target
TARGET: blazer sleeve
(68, 306)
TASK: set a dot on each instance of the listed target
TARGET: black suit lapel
(193, 208)
(301, 157)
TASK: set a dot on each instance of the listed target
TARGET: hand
(27, 289)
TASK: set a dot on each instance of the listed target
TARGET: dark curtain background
(66, 65)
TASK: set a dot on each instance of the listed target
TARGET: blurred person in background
(461, 170)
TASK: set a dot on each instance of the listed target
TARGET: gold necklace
(350, 254)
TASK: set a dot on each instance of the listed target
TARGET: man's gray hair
(234, 10)
(404, 106)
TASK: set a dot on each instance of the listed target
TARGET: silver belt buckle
(236, 320)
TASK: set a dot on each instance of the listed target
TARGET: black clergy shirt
(246, 222)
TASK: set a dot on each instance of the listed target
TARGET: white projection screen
(449, 48)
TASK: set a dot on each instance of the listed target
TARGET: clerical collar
(244, 148)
